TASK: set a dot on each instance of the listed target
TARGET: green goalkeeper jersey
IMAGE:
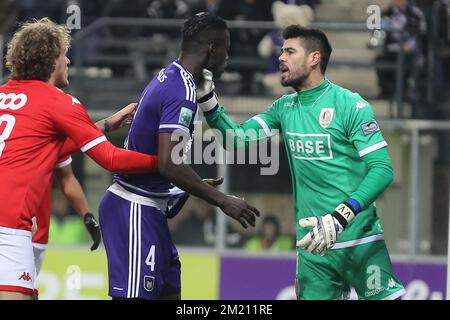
(326, 131)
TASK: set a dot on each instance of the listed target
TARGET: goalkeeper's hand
(325, 229)
(206, 97)
(93, 228)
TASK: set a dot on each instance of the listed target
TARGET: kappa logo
(75, 101)
(12, 101)
(25, 276)
(149, 283)
(289, 104)
(326, 117)
(391, 283)
(360, 105)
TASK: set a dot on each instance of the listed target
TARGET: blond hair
(34, 48)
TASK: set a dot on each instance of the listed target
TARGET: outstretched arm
(118, 120)
(182, 175)
(116, 159)
(84, 135)
(257, 128)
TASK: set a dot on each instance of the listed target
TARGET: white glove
(325, 229)
(206, 97)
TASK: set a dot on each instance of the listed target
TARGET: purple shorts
(143, 262)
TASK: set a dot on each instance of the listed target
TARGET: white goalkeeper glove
(325, 229)
(206, 97)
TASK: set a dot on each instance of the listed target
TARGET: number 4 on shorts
(150, 261)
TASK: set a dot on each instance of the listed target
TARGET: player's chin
(219, 71)
(217, 74)
(65, 80)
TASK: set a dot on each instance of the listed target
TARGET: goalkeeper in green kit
(339, 164)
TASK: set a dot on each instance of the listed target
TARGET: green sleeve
(362, 128)
(257, 128)
(378, 178)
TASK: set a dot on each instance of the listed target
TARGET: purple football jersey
(167, 104)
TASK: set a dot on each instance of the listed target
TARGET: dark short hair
(34, 48)
(313, 40)
(201, 29)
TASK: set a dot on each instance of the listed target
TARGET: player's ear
(314, 58)
(211, 48)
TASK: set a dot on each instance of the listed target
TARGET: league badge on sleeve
(186, 115)
(370, 127)
(326, 117)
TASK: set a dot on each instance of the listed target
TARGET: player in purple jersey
(143, 262)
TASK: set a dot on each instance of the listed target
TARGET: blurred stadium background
(121, 44)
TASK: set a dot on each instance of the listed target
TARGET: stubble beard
(298, 82)
(295, 83)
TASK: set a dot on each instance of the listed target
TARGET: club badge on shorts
(326, 117)
(149, 283)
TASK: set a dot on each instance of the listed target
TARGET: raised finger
(242, 222)
(254, 210)
(249, 216)
(305, 241)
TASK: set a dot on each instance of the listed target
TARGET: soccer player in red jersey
(35, 120)
(73, 192)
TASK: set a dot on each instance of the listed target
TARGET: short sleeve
(71, 118)
(63, 161)
(178, 113)
(362, 127)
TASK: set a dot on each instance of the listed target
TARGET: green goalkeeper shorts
(365, 267)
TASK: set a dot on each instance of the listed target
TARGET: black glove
(94, 229)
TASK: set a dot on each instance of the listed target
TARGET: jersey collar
(308, 97)
(179, 66)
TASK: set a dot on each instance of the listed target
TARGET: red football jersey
(35, 119)
(44, 210)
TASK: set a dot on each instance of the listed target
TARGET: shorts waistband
(16, 232)
(118, 190)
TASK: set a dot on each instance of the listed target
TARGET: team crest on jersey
(186, 115)
(149, 283)
(326, 117)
